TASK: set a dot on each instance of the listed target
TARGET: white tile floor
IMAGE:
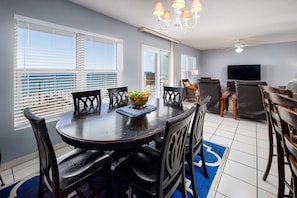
(242, 175)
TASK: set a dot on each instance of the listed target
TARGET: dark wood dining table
(110, 130)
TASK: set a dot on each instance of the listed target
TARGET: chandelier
(181, 16)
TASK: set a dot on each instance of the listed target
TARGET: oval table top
(109, 130)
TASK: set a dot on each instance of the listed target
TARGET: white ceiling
(222, 22)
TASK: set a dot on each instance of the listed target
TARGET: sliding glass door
(155, 70)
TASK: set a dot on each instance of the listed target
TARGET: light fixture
(181, 17)
(238, 50)
(238, 47)
(194, 72)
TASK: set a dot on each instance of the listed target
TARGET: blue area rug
(215, 156)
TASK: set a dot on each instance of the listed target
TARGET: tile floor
(243, 171)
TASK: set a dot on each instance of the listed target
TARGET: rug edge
(216, 180)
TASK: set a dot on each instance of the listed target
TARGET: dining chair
(191, 90)
(212, 87)
(61, 176)
(118, 97)
(158, 173)
(173, 95)
(288, 120)
(284, 101)
(194, 144)
(264, 89)
(86, 101)
(1, 180)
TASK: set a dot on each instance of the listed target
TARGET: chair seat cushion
(79, 163)
(144, 165)
(140, 170)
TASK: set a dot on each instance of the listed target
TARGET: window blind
(187, 64)
(52, 63)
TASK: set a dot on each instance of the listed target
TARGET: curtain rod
(152, 32)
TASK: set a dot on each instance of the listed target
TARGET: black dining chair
(173, 95)
(61, 176)
(265, 89)
(118, 97)
(194, 145)
(86, 101)
(1, 180)
(288, 120)
(276, 100)
(152, 173)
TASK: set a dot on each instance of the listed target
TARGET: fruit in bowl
(138, 99)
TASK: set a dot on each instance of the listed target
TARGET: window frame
(113, 76)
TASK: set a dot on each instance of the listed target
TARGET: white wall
(278, 62)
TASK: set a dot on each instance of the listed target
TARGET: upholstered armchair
(212, 87)
(247, 101)
(191, 90)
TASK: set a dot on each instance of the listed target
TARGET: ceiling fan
(239, 46)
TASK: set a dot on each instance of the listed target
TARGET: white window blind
(52, 63)
(187, 64)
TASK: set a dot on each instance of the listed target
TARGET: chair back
(172, 153)
(212, 88)
(118, 97)
(276, 100)
(186, 82)
(288, 120)
(86, 101)
(196, 135)
(173, 95)
(249, 99)
(265, 89)
(49, 173)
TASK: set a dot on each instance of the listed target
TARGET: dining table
(111, 129)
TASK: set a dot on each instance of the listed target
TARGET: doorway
(155, 70)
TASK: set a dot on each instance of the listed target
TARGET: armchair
(212, 87)
(191, 90)
(247, 101)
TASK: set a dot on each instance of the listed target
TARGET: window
(52, 62)
(187, 64)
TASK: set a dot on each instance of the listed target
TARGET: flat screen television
(244, 72)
